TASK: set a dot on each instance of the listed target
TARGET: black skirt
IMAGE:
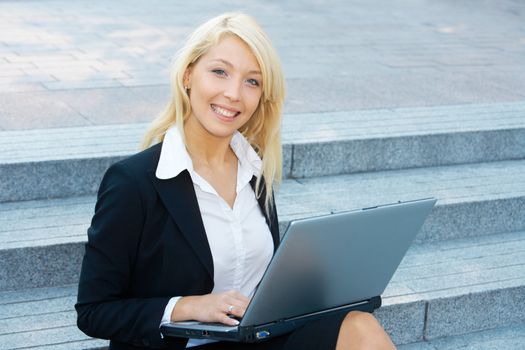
(316, 335)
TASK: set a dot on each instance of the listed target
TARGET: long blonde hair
(263, 130)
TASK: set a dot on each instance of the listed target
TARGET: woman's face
(225, 87)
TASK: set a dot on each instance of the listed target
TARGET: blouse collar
(174, 157)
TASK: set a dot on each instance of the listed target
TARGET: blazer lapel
(271, 218)
(178, 195)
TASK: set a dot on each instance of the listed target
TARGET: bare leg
(361, 330)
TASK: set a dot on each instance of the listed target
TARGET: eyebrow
(231, 66)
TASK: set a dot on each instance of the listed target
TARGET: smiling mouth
(226, 113)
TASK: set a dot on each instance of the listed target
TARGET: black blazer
(146, 244)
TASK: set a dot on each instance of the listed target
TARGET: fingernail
(236, 323)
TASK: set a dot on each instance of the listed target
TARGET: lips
(225, 112)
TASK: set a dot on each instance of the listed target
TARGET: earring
(186, 88)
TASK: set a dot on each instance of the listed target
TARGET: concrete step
(473, 199)
(441, 289)
(42, 319)
(41, 242)
(456, 287)
(63, 162)
(508, 338)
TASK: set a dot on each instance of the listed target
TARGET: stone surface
(372, 86)
(376, 154)
(508, 338)
(36, 112)
(470, 204)
(478, 298)
(410, 314)
(42, 318)
(61, 162)
(440, 288)
(474, 217)
(110, 106)
(49, 265)
(375, 54)
(68, 337)
(52, 179)
(404, 322)
(477, 311)
(491, 196)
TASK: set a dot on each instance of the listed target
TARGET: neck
(206, 149)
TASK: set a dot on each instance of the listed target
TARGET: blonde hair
(263, 130)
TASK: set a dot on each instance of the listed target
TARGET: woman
(185, 229)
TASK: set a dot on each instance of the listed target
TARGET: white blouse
(240, 241)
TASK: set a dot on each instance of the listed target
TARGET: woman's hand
(214, 307)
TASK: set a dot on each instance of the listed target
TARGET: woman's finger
(236, 307)
(236, 310)
(228, 320)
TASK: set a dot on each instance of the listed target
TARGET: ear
(187, 77)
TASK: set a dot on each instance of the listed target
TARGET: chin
(221, 132)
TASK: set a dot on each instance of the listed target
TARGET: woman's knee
(361, 320)
(363, 330)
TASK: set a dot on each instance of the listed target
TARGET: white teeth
(223, 112)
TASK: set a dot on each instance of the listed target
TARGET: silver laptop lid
(333, 260)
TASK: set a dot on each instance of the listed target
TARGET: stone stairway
(508, 338)
(464, 274)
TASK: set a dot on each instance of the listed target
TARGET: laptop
(324, 265)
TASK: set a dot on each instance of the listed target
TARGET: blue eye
(219, 72)
(253, 82)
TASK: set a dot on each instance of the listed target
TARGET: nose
(233, 90)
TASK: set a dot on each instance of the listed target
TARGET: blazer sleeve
(105, 307)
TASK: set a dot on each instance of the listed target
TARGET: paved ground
(456, 67)
(77, 63)
(510, 338)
